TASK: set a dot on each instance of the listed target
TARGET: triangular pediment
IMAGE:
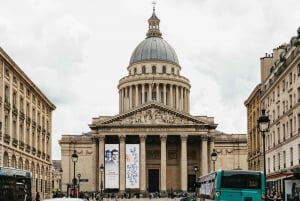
(153, 114)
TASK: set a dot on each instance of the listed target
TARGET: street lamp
(213, 157)
(101, 182)
(74, 160)
(195, 170)
(263, 125)
(79, 175)
(60, 184)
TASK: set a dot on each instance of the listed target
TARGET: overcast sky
(76, 51)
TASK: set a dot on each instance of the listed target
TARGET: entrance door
(153, 180)
(191, 182)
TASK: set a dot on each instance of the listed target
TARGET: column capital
(101, 138)
(122, 138)
(204, 137)
(142, 137)
(211, 138)
(163, 137)
(94, 139)
(184, 137)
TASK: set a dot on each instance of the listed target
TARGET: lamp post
(60, 183)
(213, 157)
(79, 175)
(74, 160)
(101, 178)
(195, 170)
(263, 125)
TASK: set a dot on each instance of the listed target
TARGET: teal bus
(15, 184)
(232, 185)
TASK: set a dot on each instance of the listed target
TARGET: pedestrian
(37, 196)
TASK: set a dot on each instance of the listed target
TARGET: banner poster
(292, 190)
(132, 166)
(111, 166)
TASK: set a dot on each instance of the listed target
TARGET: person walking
(37, 196)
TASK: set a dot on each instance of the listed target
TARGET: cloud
(77, 52)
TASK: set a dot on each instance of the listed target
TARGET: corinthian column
(122, 163)
(163, 163)
(204, 155)
(143, 163)
(184, 162)
(101, 140)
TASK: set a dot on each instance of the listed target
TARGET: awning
(279, 175)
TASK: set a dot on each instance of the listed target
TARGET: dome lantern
(153, 21)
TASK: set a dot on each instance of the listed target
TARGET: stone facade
(154, 127)
(25, 125)
(255, 160)
(279, 95)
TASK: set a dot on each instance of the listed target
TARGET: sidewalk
(139, 199)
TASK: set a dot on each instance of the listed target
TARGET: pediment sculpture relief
(152, 116)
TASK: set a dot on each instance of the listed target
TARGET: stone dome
(154, 49)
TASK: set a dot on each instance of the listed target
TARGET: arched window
(144, 69)
(164, 69)
(134, 71)
(13, 161)
(153, 69)
(20, 165)
(26, 165)
(5, 159)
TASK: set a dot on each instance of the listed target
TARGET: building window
(298, 69)
(6, 94)
(134, 71)
(278, 134)
(164, 69)
(6, 72)
(278, 91)
(298, 153)
(14, 100)
(291, 128)
(278, 161)
(172, 70)
(144, 69)
(283, 130)
(291, 156)
(269, 165)
(14, 130)
(21, 105)
(284, 159)
(283, 85)
(153, 69)
(290, 78)
(154, 96)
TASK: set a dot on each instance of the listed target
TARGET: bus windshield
(236, 179)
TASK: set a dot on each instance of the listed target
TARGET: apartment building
(25, 125)
(280, 97)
